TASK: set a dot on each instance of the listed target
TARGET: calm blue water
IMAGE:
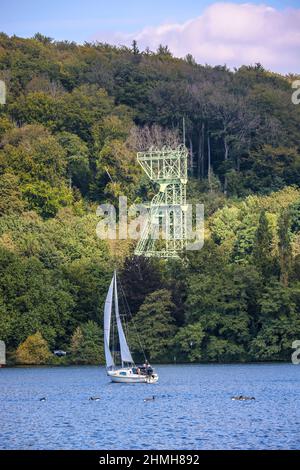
(193, 408)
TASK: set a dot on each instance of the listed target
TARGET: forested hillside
(74, 119)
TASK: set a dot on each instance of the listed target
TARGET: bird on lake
(242, 398)
(43, 399)
(94, 398)
(150, 398)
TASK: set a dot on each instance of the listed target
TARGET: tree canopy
(75, 117)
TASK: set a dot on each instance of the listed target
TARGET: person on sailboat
(147, 369)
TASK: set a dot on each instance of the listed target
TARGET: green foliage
(34, 350)
(263, 246)
(294, 214)
(140, 277)
(280, 323)
(275, 167)
(35, 299)
(222, 350)
(247, 115)
(86, 345)
(32, 153)
(77, 157)
(285, 252)
(68, 140)
(5, 125)
(33, 166)
(118, 164)
(82, 108)
(188, 341)
(45, 199)
(36, 107)
(53, 276)
(224, 224)
(154, 324)
(10, 194)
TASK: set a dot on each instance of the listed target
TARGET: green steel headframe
(164, 234)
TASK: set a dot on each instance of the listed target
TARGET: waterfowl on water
(94, 398)
(43, 399)
(242, 398)
(150, 398)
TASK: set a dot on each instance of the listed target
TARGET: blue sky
(215, 32)
(81, 20)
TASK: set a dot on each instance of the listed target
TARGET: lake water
(192, 410)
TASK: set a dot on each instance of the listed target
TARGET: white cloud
(228, 33)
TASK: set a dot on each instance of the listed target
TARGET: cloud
(227, 33)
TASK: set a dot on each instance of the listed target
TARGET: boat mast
(124, 349)
(107, 326)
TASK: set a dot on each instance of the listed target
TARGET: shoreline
(36, 366)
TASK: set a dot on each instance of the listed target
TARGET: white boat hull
(127, 376)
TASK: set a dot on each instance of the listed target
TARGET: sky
(232, 32)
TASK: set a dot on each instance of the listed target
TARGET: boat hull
(127, 376)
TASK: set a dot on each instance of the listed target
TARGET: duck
(94, 398)
(150, 398)
(242, 398)
(43, 399)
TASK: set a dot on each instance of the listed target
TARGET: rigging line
(124, 315)
(113, 339)
(125, 322)
(133, 322)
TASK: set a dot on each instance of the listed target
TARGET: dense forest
(74, 119)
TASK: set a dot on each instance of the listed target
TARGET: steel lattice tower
(164, 233)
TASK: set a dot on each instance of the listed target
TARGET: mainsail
(125, 353)
(107, 323)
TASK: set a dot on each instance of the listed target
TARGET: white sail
(125, 353)
(107, 323)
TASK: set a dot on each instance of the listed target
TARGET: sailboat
(128, 372)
